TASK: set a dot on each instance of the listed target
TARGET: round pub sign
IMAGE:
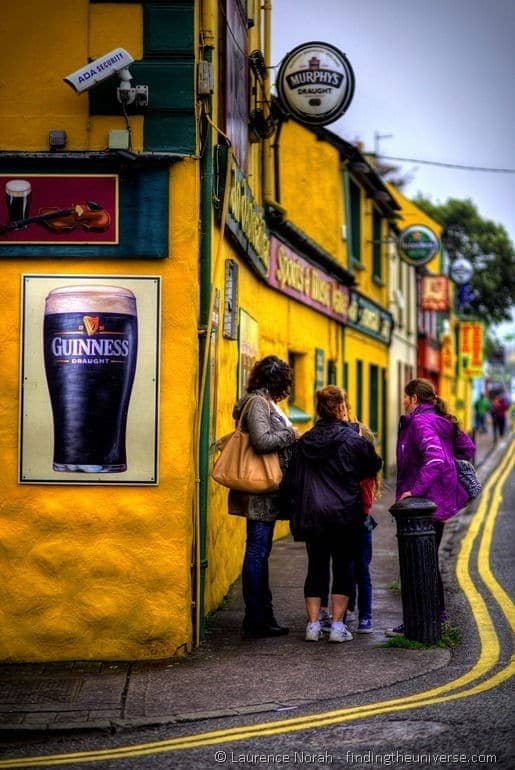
(315, 83)
(418, 244)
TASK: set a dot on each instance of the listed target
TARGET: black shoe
(263, 630)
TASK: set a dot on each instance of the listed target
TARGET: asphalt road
(466, 730)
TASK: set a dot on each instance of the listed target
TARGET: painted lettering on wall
(295, 276)
(247, 221)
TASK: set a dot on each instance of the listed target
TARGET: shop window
(299, 390)
(331, 372)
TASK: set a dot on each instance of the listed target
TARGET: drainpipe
(205, 270)
(270, 145)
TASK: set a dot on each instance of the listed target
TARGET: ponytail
(425, 392)
(441, 409)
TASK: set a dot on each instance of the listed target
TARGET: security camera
(101, 69)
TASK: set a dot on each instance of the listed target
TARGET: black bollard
(418, 561)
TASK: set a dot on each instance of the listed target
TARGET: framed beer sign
(89, 379)
(59, 209)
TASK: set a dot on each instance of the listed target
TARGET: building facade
(173, 214)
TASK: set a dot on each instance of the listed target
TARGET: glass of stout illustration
(90, 349)
(18, 197)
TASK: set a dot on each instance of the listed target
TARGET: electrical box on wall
(205, 79)
(118, 139)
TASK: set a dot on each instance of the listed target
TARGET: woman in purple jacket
(429, 440)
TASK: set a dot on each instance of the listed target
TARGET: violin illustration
(86, 215)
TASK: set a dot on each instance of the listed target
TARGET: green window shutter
(374, 398)
(377, 267)
(355, 221)
(168, 30)
(319, 369)
(359, 390)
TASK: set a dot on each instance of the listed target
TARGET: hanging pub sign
(434, 293)
(471, 348)
(418, 245)
(315, 83)
(461, 271)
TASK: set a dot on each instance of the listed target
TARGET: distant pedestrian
(481, 408)
(269, 430)
(428, 442)
(323, 483)
(499, 408)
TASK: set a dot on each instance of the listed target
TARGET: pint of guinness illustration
(90, 350)
(18, 197)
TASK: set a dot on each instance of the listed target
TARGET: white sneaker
(340, 634)
(313, 632)
(325, 620)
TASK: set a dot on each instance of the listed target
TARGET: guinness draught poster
(89, 379)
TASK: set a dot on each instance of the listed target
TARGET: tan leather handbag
(240, 468)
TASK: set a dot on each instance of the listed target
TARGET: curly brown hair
(271, 374)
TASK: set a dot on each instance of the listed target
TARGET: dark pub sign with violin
(52, 208)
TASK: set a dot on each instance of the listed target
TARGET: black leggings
(338, 548)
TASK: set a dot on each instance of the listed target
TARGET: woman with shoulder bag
(428, 444)
(269, 430)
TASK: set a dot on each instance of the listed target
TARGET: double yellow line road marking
(486, 515)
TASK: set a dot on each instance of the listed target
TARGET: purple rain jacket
(426, 447)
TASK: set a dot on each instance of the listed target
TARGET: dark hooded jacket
(321, 486)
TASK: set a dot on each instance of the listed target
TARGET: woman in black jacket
(327, 511)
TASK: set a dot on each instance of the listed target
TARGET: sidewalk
(229, 676)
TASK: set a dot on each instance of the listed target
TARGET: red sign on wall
(53, 208)
(435, 293)
(471, 348)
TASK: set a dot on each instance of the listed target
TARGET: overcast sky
(436, 74)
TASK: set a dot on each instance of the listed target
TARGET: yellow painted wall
(39, 48)
(311, 188)
(90, 572)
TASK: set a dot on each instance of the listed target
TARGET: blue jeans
(363, 582)
(256, 590)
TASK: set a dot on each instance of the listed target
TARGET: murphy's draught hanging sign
(315, 83)
(418, 245)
